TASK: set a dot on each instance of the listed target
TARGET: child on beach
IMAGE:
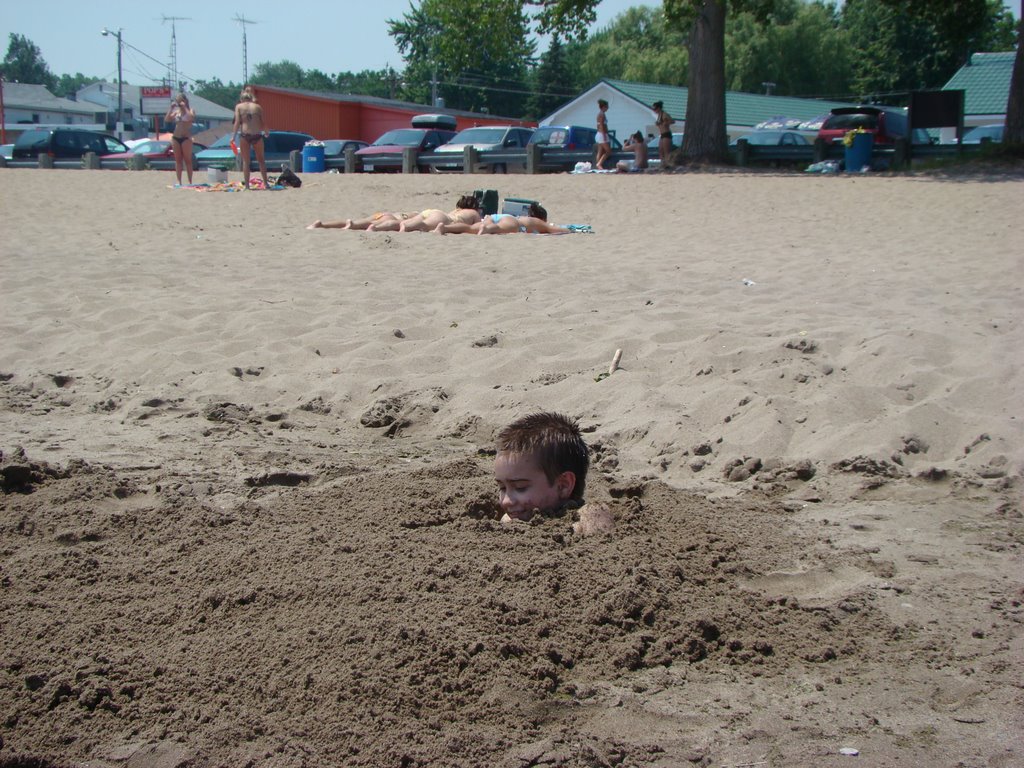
(541, 466)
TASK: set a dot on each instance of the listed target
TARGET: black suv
(64, 143)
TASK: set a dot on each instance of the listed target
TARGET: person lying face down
(535, 222)
(391, 221)
(467, 211)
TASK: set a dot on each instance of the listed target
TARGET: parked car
(6, 150)
(65, 143)
(486, 137)
(564, 136)
(428, 132)
(887, 124)
(773, 139)
(976, 134)
(153, 149)
(336, 148)
(277, 149)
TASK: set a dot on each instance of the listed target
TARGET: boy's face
(524, 489)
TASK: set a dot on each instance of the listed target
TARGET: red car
(428, 132)
(152, 149)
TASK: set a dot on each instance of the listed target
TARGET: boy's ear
(566, 484)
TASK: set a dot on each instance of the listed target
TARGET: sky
(330, 35)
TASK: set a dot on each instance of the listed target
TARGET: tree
(1013, 131)
(216, 91)
(802, 52)
(24, 63)
(551, 81)
(478, 51)
(69, 85)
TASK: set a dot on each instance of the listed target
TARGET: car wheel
(499, 168)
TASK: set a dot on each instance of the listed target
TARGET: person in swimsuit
(467, 211)
(249, 125)
(384, 218)
(639, 146)
(663, 121)
(535, 222)
(604, 147)
(183, 116)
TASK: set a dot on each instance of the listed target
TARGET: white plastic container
(216, 176)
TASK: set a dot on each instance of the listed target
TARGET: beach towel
(579, 229)
(228, 186)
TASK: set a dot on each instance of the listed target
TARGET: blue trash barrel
(313, 159)
(859, 154)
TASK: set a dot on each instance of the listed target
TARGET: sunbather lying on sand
(535, 222)
(467, 211)
(381, 217)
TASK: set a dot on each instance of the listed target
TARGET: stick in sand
(615, 362)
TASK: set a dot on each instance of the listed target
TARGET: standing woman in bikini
(663, 121)
(249, 126)
(182, 115)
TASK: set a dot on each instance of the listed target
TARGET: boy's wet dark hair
(554, 441)
(602, 103)
(468, 201)
(657, 105)
(537, 211)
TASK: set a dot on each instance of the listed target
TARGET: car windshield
(402, 137)
(479, 136)
(548, 135)
(150, 146)
(224, 142)
(852, 120)
(32, 138)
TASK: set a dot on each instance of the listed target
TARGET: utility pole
(245, 55)
(120, 80)
(174, 48)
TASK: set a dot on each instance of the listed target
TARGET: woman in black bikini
(664, 123)
(182, 115)
(249, 126)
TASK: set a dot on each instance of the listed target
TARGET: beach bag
(288, 178)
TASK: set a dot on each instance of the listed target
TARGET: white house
(105, 95)
(629, 108)
(26, 104)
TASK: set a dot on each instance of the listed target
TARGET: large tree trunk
(1013, 132)
(704, 137)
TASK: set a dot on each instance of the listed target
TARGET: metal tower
(245, 54)
(174, 48)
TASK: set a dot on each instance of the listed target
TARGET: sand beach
(248, 517)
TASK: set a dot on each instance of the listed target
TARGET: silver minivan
(487, 138)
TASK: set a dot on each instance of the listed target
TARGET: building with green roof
(985, 81)
(629, 108)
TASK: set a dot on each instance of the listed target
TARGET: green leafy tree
(552, 85)
(474, 53)
(69, 85)
(911, 44)
(637, 45)
(24, 63)
(801, 52)
(283, 74)
(384, 83)
(216, 91)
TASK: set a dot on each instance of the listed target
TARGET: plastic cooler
(516, 206)
(313, 159)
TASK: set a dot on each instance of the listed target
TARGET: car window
(549, 136)
(112, 145)
(65, 141)
(32, 139)
(403, 137)
(850, 121)
(288, 142)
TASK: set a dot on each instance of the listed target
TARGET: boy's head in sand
(541, 464)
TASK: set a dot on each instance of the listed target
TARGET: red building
(346, 116)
